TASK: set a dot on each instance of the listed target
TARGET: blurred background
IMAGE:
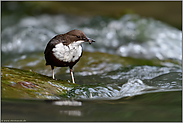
(134, 69)
(166, 11)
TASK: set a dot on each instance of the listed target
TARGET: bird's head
(79, 36)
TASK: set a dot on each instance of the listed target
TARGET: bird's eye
(78, 36)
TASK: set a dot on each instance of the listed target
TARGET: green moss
(16, 83)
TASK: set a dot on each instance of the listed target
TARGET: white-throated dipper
(65, 50)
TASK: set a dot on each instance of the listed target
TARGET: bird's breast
(67, 53)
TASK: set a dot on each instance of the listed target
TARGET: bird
(65, 50)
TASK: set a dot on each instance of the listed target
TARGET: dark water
(110, 90)
(138, 108)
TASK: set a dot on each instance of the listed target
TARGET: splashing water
(132, 87)
(131, 35)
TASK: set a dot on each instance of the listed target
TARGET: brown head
(77, 35)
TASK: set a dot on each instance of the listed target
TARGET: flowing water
(110, 90)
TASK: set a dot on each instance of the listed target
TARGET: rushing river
(113, 88)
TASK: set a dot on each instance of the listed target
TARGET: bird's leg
(72, 76)
(53, 75)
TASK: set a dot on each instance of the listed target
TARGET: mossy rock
(16, 83)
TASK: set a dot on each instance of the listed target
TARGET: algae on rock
(16, 83)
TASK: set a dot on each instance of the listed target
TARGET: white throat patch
(68, 53)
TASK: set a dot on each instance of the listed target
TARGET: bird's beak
(89, 40)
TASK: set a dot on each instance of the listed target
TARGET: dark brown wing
(51, 44)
